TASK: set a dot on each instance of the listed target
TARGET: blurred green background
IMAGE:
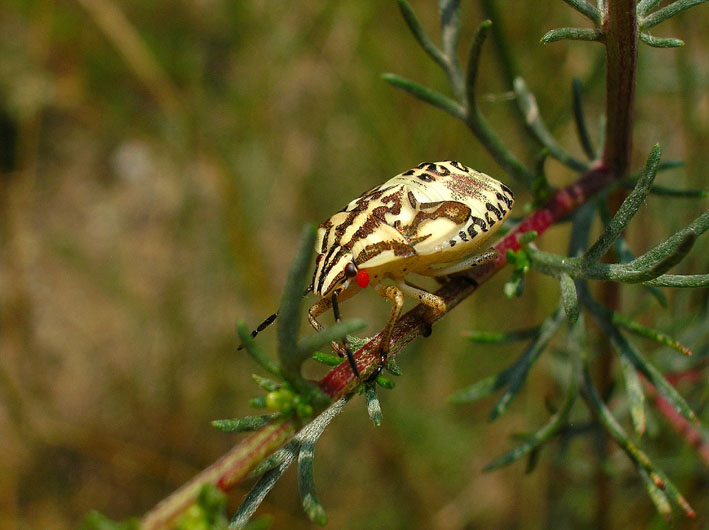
(159, 159)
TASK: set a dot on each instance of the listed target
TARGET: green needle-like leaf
(634, 390)
(667, 254)
(680, 194)
(269, 385)
(612, 427)
(290, 309)
(627, 350)
(529, 357)
(675, 8)
(246, 424)
(328, 359)
(580, 120)
(281, 460)
(258, 493)
(645, 6)
(449, 12)
(337, 331)
(500, 337)
(483, 388)
(558, 34)
(688, 281)
(587, 10)
(374, 408)
(627, 210)
(427, 95)
(657, 496)
(475, 120)
(257, 353)
(471, 76)
(625, 255)
(420, 35)
(306, 485)
(530, 110)
(649, 333)
(569, 298)
(536, 440)
(660, 42)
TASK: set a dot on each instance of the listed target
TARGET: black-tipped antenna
(263, 325)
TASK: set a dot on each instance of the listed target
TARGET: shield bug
(429, 220)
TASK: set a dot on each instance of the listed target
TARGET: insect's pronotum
(428, 220)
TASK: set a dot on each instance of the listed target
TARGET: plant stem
(225, 473)
(620, 27)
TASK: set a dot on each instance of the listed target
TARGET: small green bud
(281, 400)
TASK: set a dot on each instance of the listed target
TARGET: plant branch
(621, 40)
(225, 473)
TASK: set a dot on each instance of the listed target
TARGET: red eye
(318, 260)
(362, 278)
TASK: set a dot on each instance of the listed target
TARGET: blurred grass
(159, 160)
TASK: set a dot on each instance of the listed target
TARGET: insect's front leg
(317, 309)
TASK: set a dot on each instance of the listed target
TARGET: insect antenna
(263, 325)
(348, 351)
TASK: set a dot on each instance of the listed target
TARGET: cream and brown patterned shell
(432, 214)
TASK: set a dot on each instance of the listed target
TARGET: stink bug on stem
(429, 220)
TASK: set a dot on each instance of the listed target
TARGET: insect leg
(431, 300)
(465, 264)
(348, 351)
(317, 309)
(397, 297)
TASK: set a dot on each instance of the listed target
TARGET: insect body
(428, 220)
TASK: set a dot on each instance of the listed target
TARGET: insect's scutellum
(429, 220)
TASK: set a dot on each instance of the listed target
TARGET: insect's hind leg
(431, 300)
(465, 264)
(397, 297)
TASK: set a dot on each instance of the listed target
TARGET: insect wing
(463, 210)
(384, 245)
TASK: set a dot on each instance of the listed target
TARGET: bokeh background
(159, 159)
